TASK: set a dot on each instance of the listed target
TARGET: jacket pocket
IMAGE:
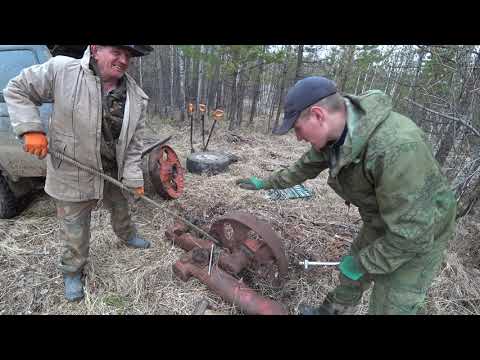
(65, 144)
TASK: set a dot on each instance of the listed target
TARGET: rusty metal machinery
(245, 242)
(166, 172)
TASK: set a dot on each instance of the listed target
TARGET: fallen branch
(475, 131)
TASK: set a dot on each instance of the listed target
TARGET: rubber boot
(73, 286)
(138, 243)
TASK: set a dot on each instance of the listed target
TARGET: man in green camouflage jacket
(378, 160)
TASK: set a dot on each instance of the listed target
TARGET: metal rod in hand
(130, 190)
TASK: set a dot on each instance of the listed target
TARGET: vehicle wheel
(211, 162)
(8, 201)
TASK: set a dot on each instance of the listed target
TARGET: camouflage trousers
(401, 292)
(75, 226)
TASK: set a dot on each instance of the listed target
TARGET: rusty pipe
(187, 241)
(229, 289)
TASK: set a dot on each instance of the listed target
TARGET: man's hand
(350, 268)
(134, 198)
(140, 191)
(35, 143)
(252, 183)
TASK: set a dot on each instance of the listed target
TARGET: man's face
(112, 61)
(312, 127)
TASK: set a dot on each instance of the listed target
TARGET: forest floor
(121, 280)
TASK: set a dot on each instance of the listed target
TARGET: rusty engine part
(166, 172)
(245, 243)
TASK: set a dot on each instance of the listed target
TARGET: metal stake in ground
(217, 115)
(190, 114)
(202, 109)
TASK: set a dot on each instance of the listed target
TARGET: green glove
(252, 183)
(350, 267)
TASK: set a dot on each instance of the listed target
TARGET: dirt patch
(120, 280)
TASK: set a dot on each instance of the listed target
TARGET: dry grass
(120, 280)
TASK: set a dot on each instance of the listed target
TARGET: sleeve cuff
(133, 183)
(29, 127)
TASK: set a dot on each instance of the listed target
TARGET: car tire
(210, 162)
(8, 201)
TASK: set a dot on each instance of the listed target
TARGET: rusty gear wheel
(166, 172)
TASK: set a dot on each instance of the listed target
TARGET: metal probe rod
(307, 263)
(131, 191)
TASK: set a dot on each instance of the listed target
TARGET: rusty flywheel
(166, 172)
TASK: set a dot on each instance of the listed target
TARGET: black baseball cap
(137, 50)
(304, 93)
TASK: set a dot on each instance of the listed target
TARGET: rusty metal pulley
(166, 172)
(251, 243)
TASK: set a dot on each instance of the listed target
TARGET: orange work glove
(35, 143)
(140, 191)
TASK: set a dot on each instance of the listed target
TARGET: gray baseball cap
(304, 93)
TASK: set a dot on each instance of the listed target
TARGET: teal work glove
(350, 267)
(252, 183)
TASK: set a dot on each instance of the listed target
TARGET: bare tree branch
(475, 131)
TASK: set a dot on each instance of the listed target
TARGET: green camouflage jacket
(386, 168)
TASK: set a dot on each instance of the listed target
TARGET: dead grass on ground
(120, 280)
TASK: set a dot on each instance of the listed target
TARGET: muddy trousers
(75, 226)
(401, 292)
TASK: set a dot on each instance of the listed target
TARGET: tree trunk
(346, 68)
(282, 88)
(365, 78)
(413, 86)
(183, 87)
(256, 87)
(177, 87)
(272, 105)
(233, 97)
(241, 97)
(448, 139)
(299, 67)
(200, 78)
(445, 145)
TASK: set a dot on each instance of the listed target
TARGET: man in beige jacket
(98, 119)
